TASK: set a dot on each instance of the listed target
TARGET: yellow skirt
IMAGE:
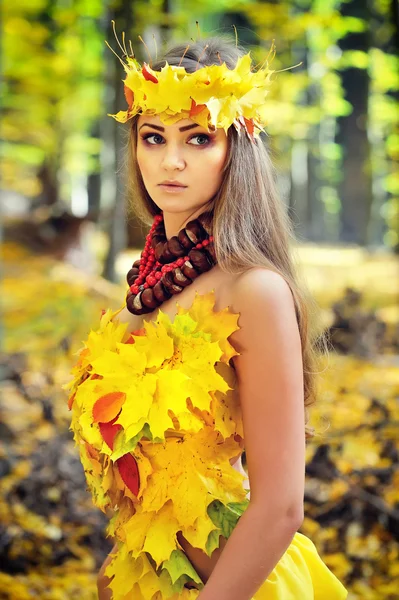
(301, 574)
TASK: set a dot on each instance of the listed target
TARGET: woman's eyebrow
(159, 128)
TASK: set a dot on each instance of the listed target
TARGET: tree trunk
(117, 221)
(355, 188)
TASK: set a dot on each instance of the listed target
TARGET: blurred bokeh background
(67, 243)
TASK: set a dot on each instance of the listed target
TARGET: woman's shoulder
(260, 296)
(257, 287)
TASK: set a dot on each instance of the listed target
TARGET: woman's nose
(173, 158)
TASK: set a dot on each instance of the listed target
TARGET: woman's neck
(174, 222)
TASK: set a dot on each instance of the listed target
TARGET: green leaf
(213, 541)
(226, 517)
(238, 507)
(123, 446)
(178, 565)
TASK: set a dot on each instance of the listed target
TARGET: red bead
(145, 286)
(135, 289)
(151, 280)
(205, 242)
(211, 238)
(186, 258)
(180, 262)
(198, 245)
(158, 275)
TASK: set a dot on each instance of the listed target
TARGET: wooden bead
(167, 256)
(132, 276)
(156, 239)
(195, 232)
(206, 219)
(175, 247)
(134, 306)
(136, 264)
(160, 293)
(169, 284)
(159, 248)
(189, 271)
(210, 250)
(185, 240)
(200, 260)
(179, 278)
(148, 298)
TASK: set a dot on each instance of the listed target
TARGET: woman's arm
(270, 382)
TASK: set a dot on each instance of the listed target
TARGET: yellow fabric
(301, 574)
(156, 418)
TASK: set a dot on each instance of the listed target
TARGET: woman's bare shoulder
(260, 296)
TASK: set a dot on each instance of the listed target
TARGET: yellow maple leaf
(219, 324)
(192, 472)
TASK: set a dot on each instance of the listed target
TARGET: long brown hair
(251, 227)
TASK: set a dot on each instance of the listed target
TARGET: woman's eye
(202, 137)
(156, 137)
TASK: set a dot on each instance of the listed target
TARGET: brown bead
(185, 240)
(132, 276)
(175, 247)
(160, 293)
(210, 250)
(156, 239)
(148, 298)
(189, 271)
(169, 284)
(159, 249)
(179, 278)
(195, 231)
(167, 256)
(205, 219)
(200, 260)
(136, 264)
(134, 305)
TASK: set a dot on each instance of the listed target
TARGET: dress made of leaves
(156, 417)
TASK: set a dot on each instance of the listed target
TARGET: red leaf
(129, 472)
(109, 431)
(108, 406)
(140, 331)
(196, 108)
(249, 125)
(147, 75)
(70, 401)
(129, 95)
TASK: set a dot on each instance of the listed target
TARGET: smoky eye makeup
(207, 139)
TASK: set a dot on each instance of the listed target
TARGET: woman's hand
(105, 593)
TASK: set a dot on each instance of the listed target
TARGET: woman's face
(183, 153)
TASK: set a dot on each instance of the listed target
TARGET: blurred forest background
(67, 244)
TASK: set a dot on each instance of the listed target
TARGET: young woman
(211, 354)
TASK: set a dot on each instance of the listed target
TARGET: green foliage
(52, 95)
(54, 88)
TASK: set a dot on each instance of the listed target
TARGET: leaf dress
(156, 418)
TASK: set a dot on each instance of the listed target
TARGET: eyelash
(148, 135)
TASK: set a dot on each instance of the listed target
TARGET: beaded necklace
(166, 267)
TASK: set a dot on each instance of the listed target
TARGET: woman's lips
(172, 188)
